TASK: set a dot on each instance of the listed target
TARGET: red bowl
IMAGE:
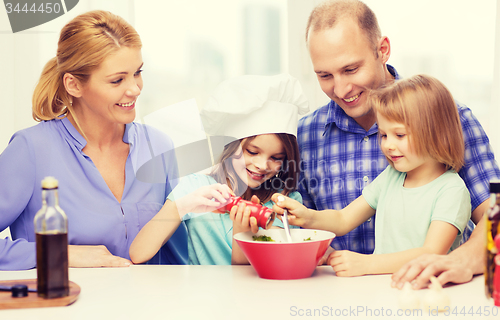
(283, 260)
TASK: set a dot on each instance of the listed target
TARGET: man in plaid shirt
(339, 148)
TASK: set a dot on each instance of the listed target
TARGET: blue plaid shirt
(339, 158)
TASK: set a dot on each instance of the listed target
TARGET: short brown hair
(326, 14)
(427, 109)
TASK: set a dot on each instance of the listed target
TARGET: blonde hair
(326, 15)
(83, 45)
(427, 109)
(287, 178)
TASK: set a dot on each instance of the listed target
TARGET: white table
(236, 292)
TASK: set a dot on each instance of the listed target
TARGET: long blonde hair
(427, 109)
(83, 45)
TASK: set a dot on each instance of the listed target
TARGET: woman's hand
(204, 199)
(347, 263)
(298, 214)
(94, 257)
(240, 215)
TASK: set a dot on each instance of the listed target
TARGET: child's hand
(347, 263)
(240, 215)
(204, 199)
(324, 258)
(298, 214)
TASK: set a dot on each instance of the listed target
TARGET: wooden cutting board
(33, 300)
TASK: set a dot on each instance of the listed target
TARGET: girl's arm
(163, 225)
(155, 233)
(339, 222)
(439, 239)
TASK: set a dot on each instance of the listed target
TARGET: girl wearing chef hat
(256, 118)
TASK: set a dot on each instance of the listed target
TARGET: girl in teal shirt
(257, 118)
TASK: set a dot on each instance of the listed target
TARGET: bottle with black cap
(51, 228)
(492, 229)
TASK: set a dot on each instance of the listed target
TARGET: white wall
(494, 114)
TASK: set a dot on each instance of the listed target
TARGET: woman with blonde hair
(422, 204)
(85, 101)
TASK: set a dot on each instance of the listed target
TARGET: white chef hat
(251, 105)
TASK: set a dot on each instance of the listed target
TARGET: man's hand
(446, 268)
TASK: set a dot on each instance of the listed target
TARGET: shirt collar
(73, 133)
(128, 135)
(337, 115)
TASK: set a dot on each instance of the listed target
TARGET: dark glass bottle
(492, 229)
(51, 229)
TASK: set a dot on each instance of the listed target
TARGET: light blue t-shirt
(210, 235)
(405, 214)
(95, 217)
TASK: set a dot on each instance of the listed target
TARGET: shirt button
(366, 139)
(365, 178)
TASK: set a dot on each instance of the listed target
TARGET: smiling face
(262, 159)
(110, 94)
(347, 67)
(395, 143)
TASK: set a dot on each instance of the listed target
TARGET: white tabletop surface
(236, 292)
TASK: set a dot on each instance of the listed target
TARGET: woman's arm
(17, 187)
(439, 239)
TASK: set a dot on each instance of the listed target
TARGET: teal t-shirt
(210, 235)
(405, 214)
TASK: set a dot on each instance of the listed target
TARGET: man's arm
(458, 267)
(480, 210)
